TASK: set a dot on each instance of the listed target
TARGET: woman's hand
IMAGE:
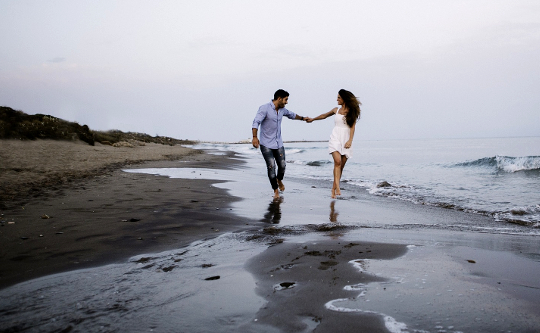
(309, 120)
(348, 144)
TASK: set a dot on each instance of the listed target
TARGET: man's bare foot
(280, 185)
(276, 194)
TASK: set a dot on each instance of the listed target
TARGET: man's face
(281, 102)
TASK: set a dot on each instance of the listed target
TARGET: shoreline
(452, 257)
(108, 215)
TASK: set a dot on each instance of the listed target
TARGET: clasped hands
(308, 120)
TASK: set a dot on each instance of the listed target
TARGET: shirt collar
(273, 105)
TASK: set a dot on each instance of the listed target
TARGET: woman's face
(339, 100)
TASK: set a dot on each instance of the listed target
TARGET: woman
(342, 134)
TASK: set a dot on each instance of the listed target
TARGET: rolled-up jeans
(271, 157)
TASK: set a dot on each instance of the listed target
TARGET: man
(269, 118)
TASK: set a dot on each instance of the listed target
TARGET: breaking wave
(505, 163)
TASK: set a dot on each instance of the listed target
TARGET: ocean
(496, 177)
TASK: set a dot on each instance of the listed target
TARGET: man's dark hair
(280, 93)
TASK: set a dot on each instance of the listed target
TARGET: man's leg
(279, 156)
(271, 167)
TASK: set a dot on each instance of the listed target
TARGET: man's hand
(309, 120)
(255, 142)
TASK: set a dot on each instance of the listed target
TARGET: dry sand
(29, 168)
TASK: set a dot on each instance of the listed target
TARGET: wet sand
(296, 279)
(85, 211)
(304, 263)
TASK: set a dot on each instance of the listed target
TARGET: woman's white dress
(340, 135)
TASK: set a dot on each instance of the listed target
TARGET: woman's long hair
(353, 105)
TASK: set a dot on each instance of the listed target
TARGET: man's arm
(259, 117)
(255, 140)
(291, 115)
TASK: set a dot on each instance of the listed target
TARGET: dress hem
(346, 154)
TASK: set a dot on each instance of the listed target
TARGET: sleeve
(259, 117)
(289, 114)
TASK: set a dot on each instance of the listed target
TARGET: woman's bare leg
(337, 173)
(343, 161)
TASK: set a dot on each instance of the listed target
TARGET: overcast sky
(200, 69)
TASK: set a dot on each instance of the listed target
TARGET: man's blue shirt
(270, 122)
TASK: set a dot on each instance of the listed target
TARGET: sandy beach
(67, 205)
(192, 242)
(35, 167)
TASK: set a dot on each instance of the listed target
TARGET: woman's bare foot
(333, 193)
(280, 185)
(338, 191)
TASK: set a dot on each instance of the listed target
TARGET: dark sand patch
(298, 279)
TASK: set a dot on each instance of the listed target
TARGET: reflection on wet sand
(333, 212)
(333, 218)
(273, 214)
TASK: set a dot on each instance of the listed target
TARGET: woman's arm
(323, 116)
(348, 144)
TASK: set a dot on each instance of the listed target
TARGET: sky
(199, 70)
